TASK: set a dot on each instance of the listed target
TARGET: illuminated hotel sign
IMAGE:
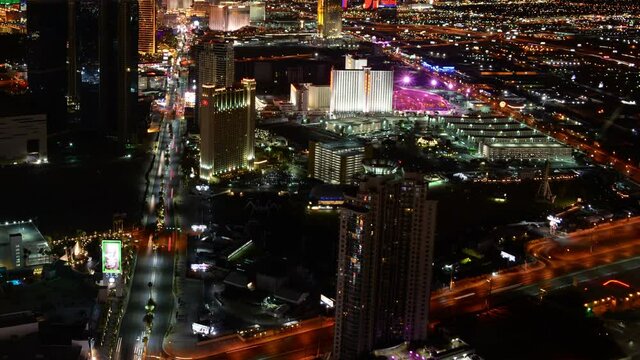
(111, 256)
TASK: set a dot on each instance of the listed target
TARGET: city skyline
(319, 179)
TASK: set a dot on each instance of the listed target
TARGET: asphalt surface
(155, 261)
(587, 255)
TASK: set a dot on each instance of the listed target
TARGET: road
(616, 249)
(587, 254)
(578, 257)
(313, 337)
(155, 261)
(383, 31)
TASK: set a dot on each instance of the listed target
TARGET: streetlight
(490, 281)
(486, 300)
(453, 270)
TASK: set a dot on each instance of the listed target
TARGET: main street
(155, 262)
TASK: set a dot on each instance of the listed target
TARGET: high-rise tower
(227, 125)
(358, 88)
(126, 68)
(106, 47)
(147, 26)
(330, 18)
(72, 58)
(384, 262)
(46, 44)
(215, 66)
(215, 63)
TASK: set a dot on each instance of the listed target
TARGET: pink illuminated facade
(419, 101)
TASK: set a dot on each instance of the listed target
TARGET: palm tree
(148, 320)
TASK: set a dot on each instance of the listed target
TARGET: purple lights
(434, 82)
(418, 100)
(406, 79)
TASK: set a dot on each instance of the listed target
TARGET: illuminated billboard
(189, 98)
(111, 256)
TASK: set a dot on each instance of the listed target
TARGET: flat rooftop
(526, 145)
(341, 145)
(32, 240)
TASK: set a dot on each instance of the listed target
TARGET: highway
(603, 251)
(314, 336)
(585, 255)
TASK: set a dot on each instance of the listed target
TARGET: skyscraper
(47, 28)
(229, 16)
(106, 40)
(227, 126)
(179, 4)
(215, 63)
(147, 26)
(384, 262)
(72, 58)
(121, 96)
(215, 66)
(330, 18)
(358, 88)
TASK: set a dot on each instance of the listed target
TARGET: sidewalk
(180, 335)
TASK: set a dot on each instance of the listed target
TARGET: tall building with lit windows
(359, 89)
(227, 127)
(384, 262)
(335, 162)
(147, 26)
(330, 19)
(229, 16)
(214, 65)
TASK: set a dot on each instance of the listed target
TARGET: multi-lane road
(311, 338)
(156, 255)
(584, 255)
(578, 257)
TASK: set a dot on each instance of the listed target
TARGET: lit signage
(202, 329)
(199, 329)
(327, 301)
(331, 202)
(111, 256)
(200, 267)
(506, 255)
(189, 98)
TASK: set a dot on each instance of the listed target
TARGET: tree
(148, 320)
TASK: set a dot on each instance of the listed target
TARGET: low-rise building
(527, 151)
(22, 245)
(503, 138)
(23, 138)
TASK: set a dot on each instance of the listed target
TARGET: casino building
(359, 89)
